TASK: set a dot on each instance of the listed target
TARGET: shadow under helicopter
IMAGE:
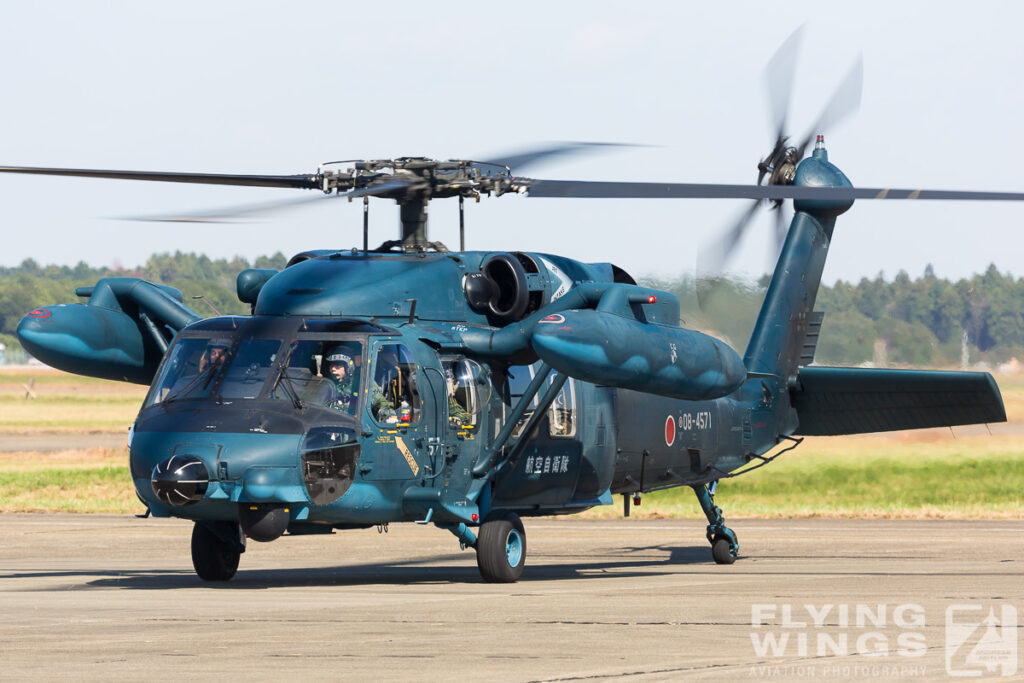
(453, 569)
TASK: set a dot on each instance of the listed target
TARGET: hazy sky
(261, 87)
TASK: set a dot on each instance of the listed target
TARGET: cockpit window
(190, 370)
(320, 372)
(221, 367)
(249, 368)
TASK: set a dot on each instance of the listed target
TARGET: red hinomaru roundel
(670, 430)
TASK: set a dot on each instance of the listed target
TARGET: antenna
(207, 302)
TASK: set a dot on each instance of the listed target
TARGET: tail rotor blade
(712, 258)
(778, 80)
(780, 227)
(845, 101)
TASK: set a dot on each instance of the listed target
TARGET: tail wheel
(214, 558)
(501, 547)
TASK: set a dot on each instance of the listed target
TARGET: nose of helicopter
(212, 474)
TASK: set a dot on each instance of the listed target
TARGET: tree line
(31, 285)
(921, 321)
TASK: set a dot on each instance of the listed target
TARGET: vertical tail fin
(787, 314)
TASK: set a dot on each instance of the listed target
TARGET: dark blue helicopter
(467, 390)
(470, 389)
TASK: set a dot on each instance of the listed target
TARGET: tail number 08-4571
(699, 420)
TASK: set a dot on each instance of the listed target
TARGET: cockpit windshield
(316, 369)
(227, 368)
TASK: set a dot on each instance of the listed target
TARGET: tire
(213, 558)
(501, 547)
(721, 553)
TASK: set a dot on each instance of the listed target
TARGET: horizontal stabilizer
(832, 401)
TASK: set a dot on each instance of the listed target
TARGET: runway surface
(102, 597)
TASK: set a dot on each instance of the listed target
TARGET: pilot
(339, 369)
(214, 354)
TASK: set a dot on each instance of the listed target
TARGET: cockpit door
(395, 415)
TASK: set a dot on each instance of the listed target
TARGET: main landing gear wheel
(501, 547)
(214, 557)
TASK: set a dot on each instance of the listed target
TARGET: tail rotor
(778, 167)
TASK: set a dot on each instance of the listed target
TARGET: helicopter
(466, 389)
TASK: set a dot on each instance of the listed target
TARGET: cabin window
(468, 391)
(562, 413)
(519, 378)
(393, 397)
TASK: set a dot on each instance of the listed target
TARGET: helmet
(337, 356)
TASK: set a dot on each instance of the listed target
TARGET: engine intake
(512, 294)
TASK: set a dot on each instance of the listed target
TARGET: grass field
(935, 473)
(65, 403)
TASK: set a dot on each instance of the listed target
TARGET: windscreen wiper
(293, 394)
(207, 374)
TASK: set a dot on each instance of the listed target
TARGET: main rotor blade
(582, 189)
(234, 214)
(289, 181)
(845, 101)
(519, 161)
(779, 75)
(252, 212)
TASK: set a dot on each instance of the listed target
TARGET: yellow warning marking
(914, 195)
(404, 450)
(883, 194)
